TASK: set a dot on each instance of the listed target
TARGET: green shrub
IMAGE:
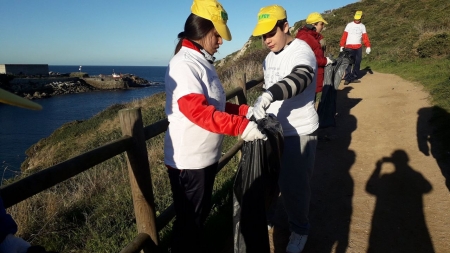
(435, 46)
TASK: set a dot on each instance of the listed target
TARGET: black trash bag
(333, 74)
(255, 186)
(327, 107)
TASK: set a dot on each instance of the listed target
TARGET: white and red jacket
(197, 111)
(290, 76)
(353, 34)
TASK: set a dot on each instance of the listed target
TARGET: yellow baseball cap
(12, 99)
(358, 15)
(212, 10)
(267, 19)
(315, 17)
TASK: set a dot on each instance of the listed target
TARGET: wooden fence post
(139, 173)
(241, 97)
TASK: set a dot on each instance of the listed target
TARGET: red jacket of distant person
(308, 34)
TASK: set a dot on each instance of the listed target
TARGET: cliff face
(235, 56)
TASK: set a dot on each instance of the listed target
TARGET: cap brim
(12, 99)
(264, 27)
(223, 30)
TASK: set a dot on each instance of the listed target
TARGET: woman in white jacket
(199, 116)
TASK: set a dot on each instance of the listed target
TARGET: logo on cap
(224, 15)
(263, 16)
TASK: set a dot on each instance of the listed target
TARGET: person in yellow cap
(354, 33)
(290, 83)
(310, 33)
(199, 116)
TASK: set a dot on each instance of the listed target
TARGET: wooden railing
(134, 135)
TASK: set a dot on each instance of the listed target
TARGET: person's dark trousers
(192, 191)
(352, 71)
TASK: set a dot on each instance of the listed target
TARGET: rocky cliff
(35, 88)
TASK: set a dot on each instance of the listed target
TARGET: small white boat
(114, 75)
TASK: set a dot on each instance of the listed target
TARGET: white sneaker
(296, 243)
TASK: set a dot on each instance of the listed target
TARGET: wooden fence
(134, 136)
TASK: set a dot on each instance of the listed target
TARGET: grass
(410, 39)
(93, 212)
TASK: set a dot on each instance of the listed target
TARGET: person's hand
(261, 105)
(341, 49)
(368, 50)
(249, 112)
(251, 132)
(329, 61)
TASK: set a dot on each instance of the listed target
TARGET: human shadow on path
(433, 137)
(398, 222)
(332, 187)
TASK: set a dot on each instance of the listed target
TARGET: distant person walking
(199, 117)
(354, 33)
(310, 33)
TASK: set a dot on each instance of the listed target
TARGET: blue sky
(123, 33)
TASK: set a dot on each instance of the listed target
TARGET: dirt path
(373, 189)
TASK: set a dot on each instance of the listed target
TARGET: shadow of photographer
(398, 222)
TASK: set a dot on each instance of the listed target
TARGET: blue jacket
(7, 224)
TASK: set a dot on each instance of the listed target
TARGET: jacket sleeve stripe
(293, 84)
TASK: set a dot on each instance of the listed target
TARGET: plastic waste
(333, 74)
(254, 188)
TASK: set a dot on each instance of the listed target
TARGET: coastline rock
(45, 88)
(37, 88)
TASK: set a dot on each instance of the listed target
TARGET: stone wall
(106, 83)
(41, 81)
(96, 82)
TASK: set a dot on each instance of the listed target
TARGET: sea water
(21, 128)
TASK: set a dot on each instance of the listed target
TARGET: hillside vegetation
(93, 212)
(410, 38)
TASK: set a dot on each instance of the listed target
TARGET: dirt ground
(374, 190)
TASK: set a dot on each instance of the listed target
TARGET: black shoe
(356, 81)
(346, 82)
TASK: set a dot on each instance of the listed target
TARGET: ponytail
(195, 28)
(181, 37)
